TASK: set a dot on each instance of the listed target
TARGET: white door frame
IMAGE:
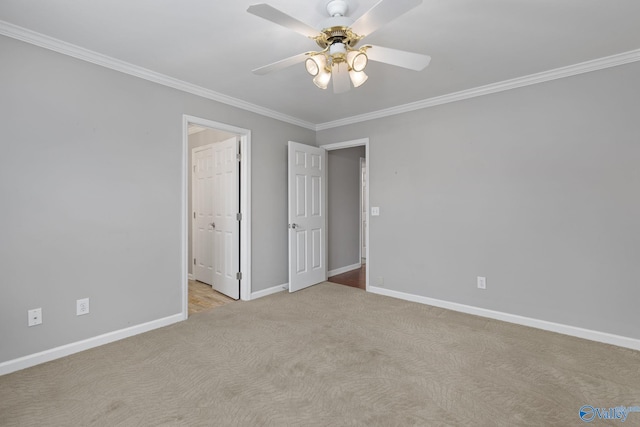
(245, 205)
(358, 143)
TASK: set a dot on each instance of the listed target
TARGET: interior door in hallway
(307, 216)
(226, 224)
(216, 207)
(203, 214)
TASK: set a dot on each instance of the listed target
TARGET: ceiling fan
(339, 57)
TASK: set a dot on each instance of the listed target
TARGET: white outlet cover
(35, 316)
(375, 211)
(82, 306)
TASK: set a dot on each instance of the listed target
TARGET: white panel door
(203, 214)
(226, 225)
(307, 216)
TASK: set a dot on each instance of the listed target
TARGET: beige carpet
(329, 355)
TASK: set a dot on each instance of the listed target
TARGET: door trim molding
(245, 205)
(357, 143)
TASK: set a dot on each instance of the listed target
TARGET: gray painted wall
(90, 187)
(343, 206)
(536, 188)
(207, 136)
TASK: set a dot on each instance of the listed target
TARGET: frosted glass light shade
(311, 66)
(357, 60)
(315, 64)
(358, 78)
(322, 79)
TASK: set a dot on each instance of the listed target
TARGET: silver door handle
(213, 225)
(294, 225)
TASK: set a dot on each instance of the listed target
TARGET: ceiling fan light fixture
(358, 78)
(322, 79)
(337, 50)
(357, 60)
(339, 61)
(312, 67)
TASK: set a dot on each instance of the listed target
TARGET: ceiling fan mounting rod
(337, 8)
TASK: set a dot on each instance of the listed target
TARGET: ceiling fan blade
(399, 58)
(384, 11)
(272, 14)
(282, 64)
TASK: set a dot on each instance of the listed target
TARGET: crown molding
(532, 79)
(38, 39)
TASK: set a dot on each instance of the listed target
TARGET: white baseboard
(190, 276)
(574, 331)
(269, 291)
(344, 269)
(76, 347)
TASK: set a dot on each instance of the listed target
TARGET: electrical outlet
(35, 316)
(82, 306)
(482, 282)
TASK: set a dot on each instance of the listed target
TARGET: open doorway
(347, 213)
(216, 231)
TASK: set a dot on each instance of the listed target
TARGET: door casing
(358, 143)
(245, 205)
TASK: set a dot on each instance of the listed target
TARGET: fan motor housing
(332, 35)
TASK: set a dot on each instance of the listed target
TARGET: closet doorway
(216, 244)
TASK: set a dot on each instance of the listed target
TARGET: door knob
(213, 225)
(294, 225)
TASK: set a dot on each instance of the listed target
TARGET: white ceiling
(215, 44)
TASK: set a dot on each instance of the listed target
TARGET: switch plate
(375, 211)
(82, 306)
(35, 316)
(482, 282)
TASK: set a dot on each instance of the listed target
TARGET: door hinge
(239, 216)
(194, 168)
(194, 214)
(238, 276)
(239, 157)
(194, 261)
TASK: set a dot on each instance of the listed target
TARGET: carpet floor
(329, 355)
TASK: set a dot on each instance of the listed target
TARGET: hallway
(355, 278)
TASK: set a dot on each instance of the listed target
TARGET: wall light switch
(482, 282)
(375, 211)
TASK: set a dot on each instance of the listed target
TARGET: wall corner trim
(602, 337)
(76, 347)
